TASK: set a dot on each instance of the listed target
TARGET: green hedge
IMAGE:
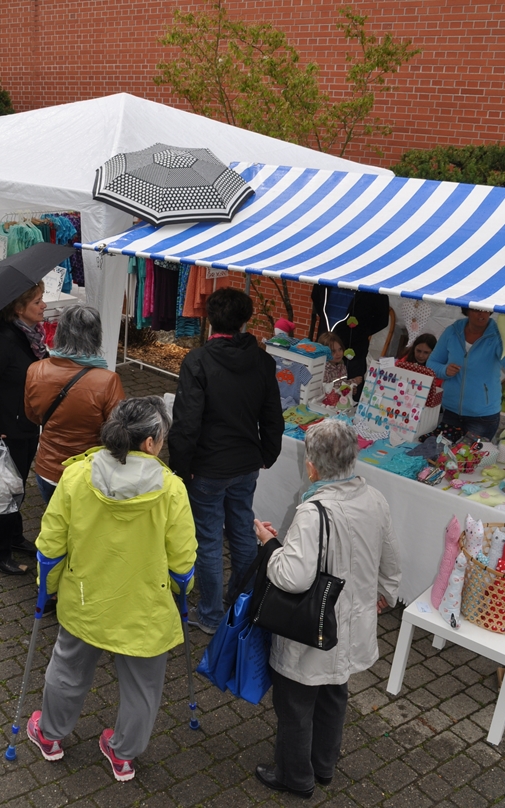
(483, 165)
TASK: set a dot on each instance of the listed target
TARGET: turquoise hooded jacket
(476, 390)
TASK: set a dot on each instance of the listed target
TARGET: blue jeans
(485, 426)
(215, 503)
(46, 489)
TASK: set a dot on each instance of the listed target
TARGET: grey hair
(332, 446)
(131, 422)
(79, 331)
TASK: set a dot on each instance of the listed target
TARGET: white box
(315, 364)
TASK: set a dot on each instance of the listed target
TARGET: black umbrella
(166, 184)
(25, 269)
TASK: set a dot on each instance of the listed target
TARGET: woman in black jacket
(22, 342)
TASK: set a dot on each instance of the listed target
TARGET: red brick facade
(54, 52)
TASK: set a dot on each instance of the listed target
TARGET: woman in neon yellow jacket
(122, 520)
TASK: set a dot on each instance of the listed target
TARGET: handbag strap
(62, 394)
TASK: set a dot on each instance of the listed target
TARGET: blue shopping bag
(218, 661)
(251, 678)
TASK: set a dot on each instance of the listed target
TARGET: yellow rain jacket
(121, 528)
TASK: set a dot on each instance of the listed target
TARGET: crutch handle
(45, 566)
(182, 580)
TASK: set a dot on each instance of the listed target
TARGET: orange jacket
(75, 425)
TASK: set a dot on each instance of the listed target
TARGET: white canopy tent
(48, 159)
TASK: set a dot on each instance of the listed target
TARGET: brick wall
(54, 52)
(58, 51)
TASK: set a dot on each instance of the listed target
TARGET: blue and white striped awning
(436, 241)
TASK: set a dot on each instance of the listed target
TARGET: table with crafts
(420, 513)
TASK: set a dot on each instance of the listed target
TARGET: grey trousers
(69, 677)
(309, 733)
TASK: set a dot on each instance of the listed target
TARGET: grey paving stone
(484, 754)
(459, 771)
(394, 777)
(249, 732)
(354, 738)
(399, 712)
(196, 789)
(361, 681)
(360, 764)
(445, 686)
(366, 794)
(410, 796)
(444, 746)
(435, 786)
(468, 731)
(491, 784)
(460, 706)
(369, 700)
(419, 760)
(467, 798)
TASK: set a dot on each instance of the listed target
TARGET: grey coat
(363, 550)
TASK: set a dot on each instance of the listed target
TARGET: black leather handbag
(307, 617)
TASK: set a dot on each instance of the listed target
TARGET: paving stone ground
(425, 747)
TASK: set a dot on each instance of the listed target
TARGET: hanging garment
(165, 297)
(137, 267)
(198, 290)
(65, 232)
(21, 236)
(76, 261)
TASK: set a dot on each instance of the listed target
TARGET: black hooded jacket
(227, 410)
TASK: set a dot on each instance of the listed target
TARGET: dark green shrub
(6, 107)
(483, 165)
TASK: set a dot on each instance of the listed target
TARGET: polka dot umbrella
(167, 184)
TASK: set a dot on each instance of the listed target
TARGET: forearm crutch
(45, 566)
(182, 580)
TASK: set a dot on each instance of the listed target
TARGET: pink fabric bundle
(452, 534)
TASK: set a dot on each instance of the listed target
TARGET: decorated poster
(393, 397)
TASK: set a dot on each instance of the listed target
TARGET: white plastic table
(483, 642)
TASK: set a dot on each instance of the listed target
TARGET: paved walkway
(424, 748)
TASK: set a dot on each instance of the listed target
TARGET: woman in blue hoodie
(468, 357)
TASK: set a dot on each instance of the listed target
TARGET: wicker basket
(483, 596)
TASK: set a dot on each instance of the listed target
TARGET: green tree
(6, 107)
(248, 75)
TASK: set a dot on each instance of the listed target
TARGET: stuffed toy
(452, 534)
(450, 607)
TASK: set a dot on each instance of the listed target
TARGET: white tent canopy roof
(435, 241)
(48, 159)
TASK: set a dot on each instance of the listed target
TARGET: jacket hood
(238, 354)
(127, 490)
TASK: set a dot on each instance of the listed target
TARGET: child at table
(337, 368)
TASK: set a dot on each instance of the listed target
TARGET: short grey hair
(79, 331)
(131, 422)
(332, 446)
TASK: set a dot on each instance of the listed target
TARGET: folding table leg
(400, 658)
(438, 642)
(498, 722)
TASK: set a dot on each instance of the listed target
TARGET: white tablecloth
(419, 512)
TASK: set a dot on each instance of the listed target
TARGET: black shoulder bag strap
(62, 394)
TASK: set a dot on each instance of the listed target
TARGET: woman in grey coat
(310, 685)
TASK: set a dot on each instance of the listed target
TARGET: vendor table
(420, 513)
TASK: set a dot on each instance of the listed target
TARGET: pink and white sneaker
(51, 750)
(123, 770)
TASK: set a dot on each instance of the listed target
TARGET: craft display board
(394, 398)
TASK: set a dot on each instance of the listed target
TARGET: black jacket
(227, 410)
(16, 356)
